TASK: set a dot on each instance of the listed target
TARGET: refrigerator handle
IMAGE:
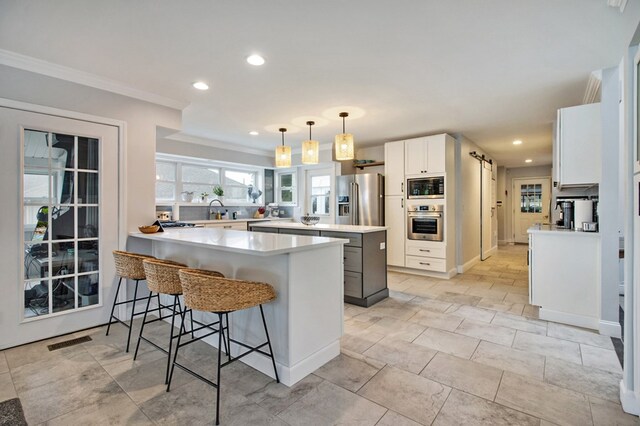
(356, 204)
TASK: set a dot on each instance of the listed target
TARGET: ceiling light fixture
(254, 133)
(517, 142)
(344, 142)
(310, 148)
(201, 85)
(256, 60)
(283, 152)
(528, 160)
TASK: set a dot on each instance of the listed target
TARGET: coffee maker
(566, 214)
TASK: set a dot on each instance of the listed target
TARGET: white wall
(509, 175)
(196, 150)
(468, 209)
(141, 118)
(375, 153)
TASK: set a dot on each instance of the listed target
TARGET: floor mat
(11, 413)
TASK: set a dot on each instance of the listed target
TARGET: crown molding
(61, 72)
(592, 92)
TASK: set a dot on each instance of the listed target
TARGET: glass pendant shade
(283, 156)
(344, 147)
(310, 152)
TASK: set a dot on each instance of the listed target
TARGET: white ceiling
(493, 70)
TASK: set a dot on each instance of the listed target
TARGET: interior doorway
(531, 204)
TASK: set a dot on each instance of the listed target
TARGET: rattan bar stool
(129, 267)
(222, 296)
(162, 279)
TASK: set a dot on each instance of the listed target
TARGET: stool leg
(113, 308)
(273, 360)
(175, 356)
(133, 308)
(159, 306)
(173, 320)
(183, 328)
(144, 321)
(219, 367)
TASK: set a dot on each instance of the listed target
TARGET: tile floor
(463, 351)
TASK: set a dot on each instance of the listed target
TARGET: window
(320, 194)
(286, 183)
(531, 198)
(241, 185)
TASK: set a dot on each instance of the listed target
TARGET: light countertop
(357, 229)
(255, 243)
(551, 229)
(251, 219)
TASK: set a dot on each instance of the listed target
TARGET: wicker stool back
(129, 265)
(162, 276)
(206, 292)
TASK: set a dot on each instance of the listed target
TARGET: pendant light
(344, 142)
(310, 148)
(283, 152)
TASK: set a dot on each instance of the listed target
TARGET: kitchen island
(365, 256)
(564, 275)
(305, 321)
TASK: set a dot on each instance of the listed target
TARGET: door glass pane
(87, 188)
(36, 298)
(62, 151)
(88, 290)
(60, 206)
(320, 193)
(531, 198)
(87, 153)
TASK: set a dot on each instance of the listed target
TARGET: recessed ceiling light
(528, 160)
(517, 142)
(256, 60)
(254, 133)
(200, 85)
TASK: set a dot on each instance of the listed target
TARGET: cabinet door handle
(428, 251)
(425, 263)
(402, 203)
(401, 186)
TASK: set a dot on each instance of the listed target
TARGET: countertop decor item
(218, 190)
(309, 220)
(283, 152)
(344, 142)
(310, 148)
(254, 193)
(187, 196)
(150, 229)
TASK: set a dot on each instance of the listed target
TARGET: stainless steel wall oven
(425, 222)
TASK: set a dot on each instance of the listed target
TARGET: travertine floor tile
(450, 343)
(462, 299)
(329, 404)
(606, 413)
(401, 354)
(360, 341)
(552, 403)
(349, 373)
(415, 397)
(117, 409)
(489, 332)
(487, 293)
(509, 359)
(518, 322)
(4, 367)
(579, 335)
(391, 418)
(471, 312)
(436, 319)
(587, 380)
(464, 409)
(548, 346)
(7, 390)
(477, 379)
(397, 329)
(603, 359)
(276, 397)
(432, 305)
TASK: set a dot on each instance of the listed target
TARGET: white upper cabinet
(425, 155)
(577, 146)
(394, 168)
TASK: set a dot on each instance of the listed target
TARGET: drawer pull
(227, 227)
(428, 251)
(425, 263)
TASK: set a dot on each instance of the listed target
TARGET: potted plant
(218, 192)
(203, 196)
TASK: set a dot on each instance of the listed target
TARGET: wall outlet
(383, 246)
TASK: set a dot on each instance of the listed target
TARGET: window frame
(309, 195)
(294, 187)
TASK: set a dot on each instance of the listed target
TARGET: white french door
(531, 204)
(60, 180)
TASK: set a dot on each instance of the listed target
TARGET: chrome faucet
(210, 203)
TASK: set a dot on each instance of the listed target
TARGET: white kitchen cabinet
(577, 146)
(564, 276)
(394, 168)
(395, 219)
(425, 155)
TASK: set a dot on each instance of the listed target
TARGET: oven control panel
(426, 208)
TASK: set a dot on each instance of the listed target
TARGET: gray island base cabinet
(365, 258)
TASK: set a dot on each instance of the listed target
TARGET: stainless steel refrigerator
(360, 199)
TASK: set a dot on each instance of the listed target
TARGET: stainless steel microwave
(426, 187)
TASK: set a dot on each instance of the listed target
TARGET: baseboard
(610, 328)
(464, 268)
(629, 400)
(570, 319)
